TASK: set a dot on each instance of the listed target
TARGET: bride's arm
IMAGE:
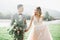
(30, 23)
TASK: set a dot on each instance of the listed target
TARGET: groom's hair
(20, 5)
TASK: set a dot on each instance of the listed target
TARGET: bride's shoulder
(32, 17)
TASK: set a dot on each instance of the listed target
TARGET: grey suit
(19, 25)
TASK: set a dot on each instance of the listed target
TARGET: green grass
(54, 29)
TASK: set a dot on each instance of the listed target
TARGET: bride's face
(36, 12)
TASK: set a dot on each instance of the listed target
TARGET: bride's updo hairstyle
(39, 10)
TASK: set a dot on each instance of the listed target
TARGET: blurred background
(50, 10)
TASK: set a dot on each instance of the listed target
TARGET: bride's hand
(26, 30)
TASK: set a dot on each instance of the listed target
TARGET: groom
(19, 24)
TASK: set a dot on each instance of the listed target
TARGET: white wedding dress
(39, 31)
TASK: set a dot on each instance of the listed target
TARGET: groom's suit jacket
(15, 20)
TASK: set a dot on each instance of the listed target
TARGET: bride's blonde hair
(39, 9)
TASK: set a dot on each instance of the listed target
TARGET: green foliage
(47, 17)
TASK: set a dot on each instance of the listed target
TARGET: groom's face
(20, 9)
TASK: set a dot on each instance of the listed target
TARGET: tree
(48, 17)
(1, 15)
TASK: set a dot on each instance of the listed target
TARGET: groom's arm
(24, 20)
(12, 21)
(25, 23)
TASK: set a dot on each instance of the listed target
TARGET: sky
(29, 5)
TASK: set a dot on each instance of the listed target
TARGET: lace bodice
(36, 22)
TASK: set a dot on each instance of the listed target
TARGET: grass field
(54, 29)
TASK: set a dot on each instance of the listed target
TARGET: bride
(40, 31)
